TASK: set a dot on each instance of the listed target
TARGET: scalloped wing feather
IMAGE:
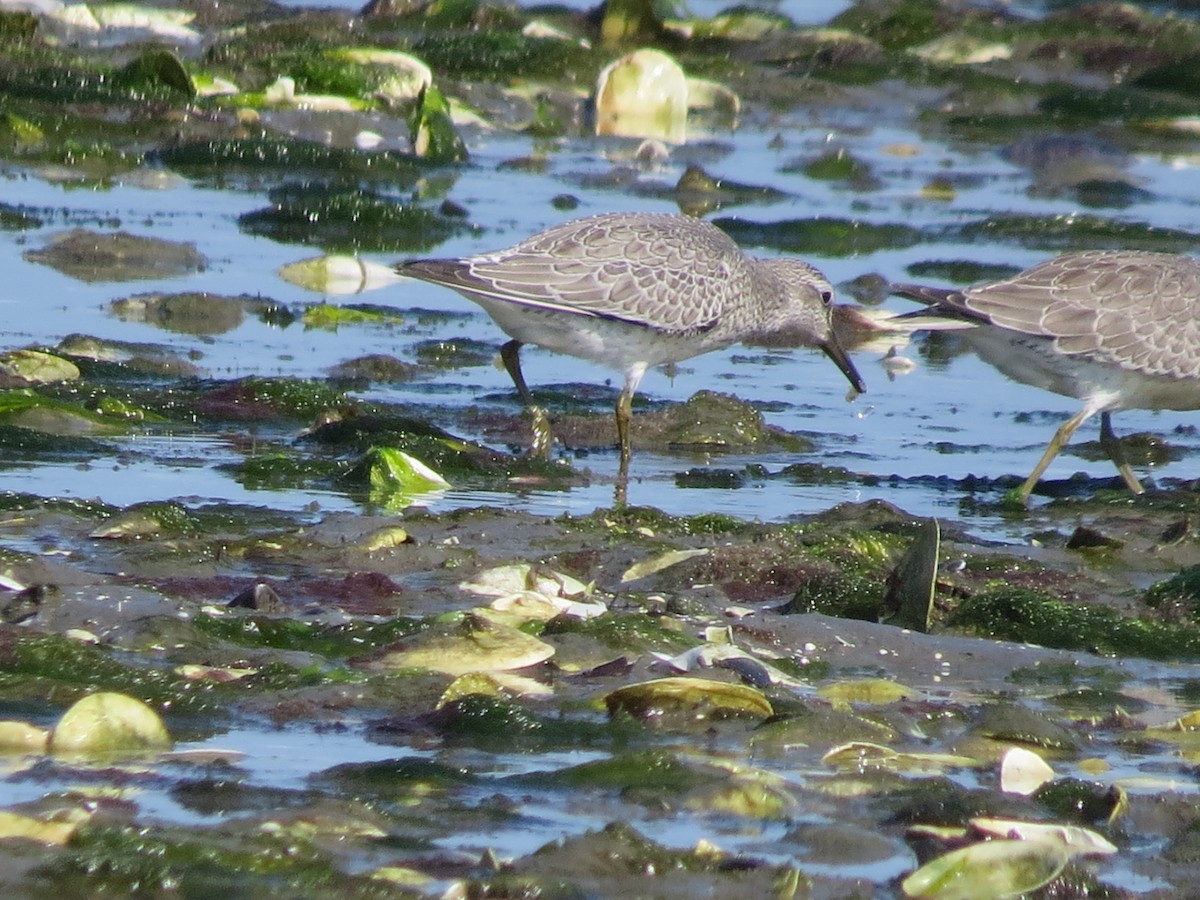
(1131, 308)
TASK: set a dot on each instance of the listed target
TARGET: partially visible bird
(637, 290)
(1117, 329)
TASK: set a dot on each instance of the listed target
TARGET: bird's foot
(1017, 499)
(543, 439)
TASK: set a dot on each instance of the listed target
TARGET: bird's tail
(930, 296)
(942, 305)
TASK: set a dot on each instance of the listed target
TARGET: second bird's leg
(1060, 439)
(1111, 444)
(624, 415)
(510, 355)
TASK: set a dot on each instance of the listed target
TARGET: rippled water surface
(948, 417)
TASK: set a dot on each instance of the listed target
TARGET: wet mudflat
(282, 502)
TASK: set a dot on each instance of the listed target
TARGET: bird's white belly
(618, 345)
(1034, 361)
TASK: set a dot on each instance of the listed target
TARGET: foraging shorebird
(1116, 329)
(637, 290)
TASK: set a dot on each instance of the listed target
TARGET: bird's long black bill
(842, 360)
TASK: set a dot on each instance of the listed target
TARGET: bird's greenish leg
(510, 355)
(1111, 444)
(624, 415)
(1060, 439)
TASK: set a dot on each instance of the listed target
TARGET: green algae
(115, 407)
(859, 549)
(1178, 75)
(496, 55)
(23, 501)
(895, 24)
(823, 236)
(816, 473)
(1011, 722)
(1184, 849)
(454, 353)
(114, 410)
(630, 23)
(1071, 799)
(845, 595)
(714, 421)
(502, 726)
(687, 702)
(17, 26)
(62, 79)
(1097, 702)
(961, 271)
(939, 802)
(284, 397)
(472, 15)
(659, 771)
(1075, 232)
(393, 479)
(328, 317)
(41, 667)
(616, 861)
(224, 518)
(838, 165)
(1081, 107)
(741, 23)
(374, 367)
(329, 641)
(223, 157)
(454, 458)
(331, 71)
(819, 727)
(344, 219)
(1020, 614)
(392, 777)
(157, 517)
(434, 137)
(282, 676)
(155, 70)
(285, 471)
(835, 56)
(628, 520)
(488, 721)
(710, 479)
(626, 632)
(252, 50)
(126, 860)
(34, 410)
(1180, 590)
(26, 442)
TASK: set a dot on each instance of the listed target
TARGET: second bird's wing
(1136, 309)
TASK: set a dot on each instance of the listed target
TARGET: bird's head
(801, 313)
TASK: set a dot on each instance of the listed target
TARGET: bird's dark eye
(826, 297)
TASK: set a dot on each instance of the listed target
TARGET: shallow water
(946, 418)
